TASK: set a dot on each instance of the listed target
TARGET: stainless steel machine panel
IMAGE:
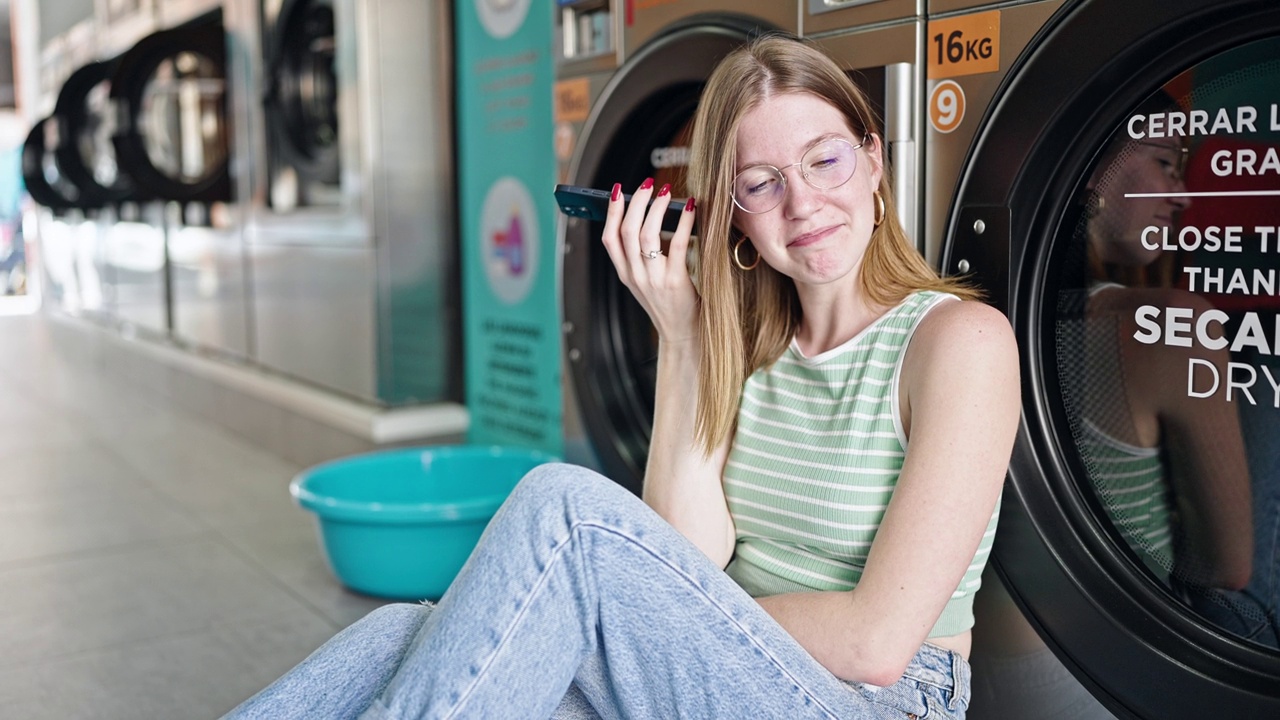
(207, 271)
(945, 151)
(134, 251)
(891, 51)
(314, 314)
(821, 16)
(641, 21)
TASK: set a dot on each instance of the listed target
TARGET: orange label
(946, 106)
(965, 45)
(573, 100)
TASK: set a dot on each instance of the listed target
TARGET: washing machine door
(170, 92)
(301, 96)
(1121, 204)
(41, 175)
(86, 156)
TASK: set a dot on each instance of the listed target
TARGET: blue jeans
(579, 597)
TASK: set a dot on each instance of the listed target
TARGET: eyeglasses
(1173, 160)
(826, 166)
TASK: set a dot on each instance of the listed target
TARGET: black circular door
(86, 155)
(44, 181)
(301, 96)
(1122, 203)
(172, 137)
(638, 129)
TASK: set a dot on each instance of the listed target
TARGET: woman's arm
(681, 483)
(961, 401)
(1207, 464)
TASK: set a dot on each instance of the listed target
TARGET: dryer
(623, 109)
(349, 194)
(1012, 110)
(171, 139)
(70, 161)
(1088, 165)
(629, 76)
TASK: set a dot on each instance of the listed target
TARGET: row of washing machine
(1023, 135)
(1025, 138)
(231, 175)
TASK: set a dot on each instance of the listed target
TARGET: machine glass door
(1133, 224)
(301, 103)
(86, 121)
(172, 137)
(41, 175)
(181, 120)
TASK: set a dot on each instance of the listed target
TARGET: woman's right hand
(660, 282)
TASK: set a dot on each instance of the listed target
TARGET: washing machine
(68, 240)
(171, 139)
(300, 100)
(629, 75)
(349, 194)
(69, 162)
(1093, 165)
(1012, 113)
(85, 157)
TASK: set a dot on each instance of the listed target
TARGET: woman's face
(813, 236)
(1149, 166)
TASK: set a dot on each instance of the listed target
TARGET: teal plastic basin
(400, 523)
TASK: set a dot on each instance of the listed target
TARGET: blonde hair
(748, 318)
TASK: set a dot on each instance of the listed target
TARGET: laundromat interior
(242, 239)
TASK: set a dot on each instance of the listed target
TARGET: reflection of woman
(788, 385)
(1170, 467)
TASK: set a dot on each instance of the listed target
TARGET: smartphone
(592, 204)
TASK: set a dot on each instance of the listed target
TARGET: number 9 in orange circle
(946, 106)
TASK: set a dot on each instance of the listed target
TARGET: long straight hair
(749, 317)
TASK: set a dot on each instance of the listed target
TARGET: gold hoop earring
(880, 210)
(738, 261)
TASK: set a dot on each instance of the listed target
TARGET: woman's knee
(563, 481)
(397, 618)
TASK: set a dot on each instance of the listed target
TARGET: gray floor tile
(152, 564)
(199, 675)
(89, 519)
(55, 610)
(289, 549)
(61, 469)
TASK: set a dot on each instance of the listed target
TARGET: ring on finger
(651, 254)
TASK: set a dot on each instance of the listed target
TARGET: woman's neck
(830, 317)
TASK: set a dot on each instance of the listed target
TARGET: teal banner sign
(506, 172)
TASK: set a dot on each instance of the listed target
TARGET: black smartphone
(592, 204)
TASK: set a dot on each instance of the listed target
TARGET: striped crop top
(816, 456)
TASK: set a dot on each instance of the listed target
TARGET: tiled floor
(151, 564)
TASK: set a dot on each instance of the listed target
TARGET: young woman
(832, 425)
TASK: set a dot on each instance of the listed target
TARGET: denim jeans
(579, 588)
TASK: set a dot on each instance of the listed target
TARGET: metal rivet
(979, 227)
(568, 248)
(566, 327)
(575, 354)
(963, 266)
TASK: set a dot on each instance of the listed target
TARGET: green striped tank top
(817, 453)
(1134, 490)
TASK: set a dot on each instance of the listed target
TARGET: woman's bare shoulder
(964, 326)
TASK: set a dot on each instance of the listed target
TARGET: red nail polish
(689, 205)
(617, 192)
(664, 190)
(648, 183)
